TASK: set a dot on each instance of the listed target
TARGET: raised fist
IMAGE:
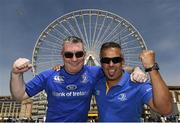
(147, 58)
(138, 75)
(21, 65)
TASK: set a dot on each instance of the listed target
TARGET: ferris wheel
(94, 27)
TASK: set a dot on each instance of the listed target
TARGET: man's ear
(123, 62)
(85, 55)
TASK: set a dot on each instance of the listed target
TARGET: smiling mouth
(111, 72)
(75, 64)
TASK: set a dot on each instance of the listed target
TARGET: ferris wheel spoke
(132, 48)
(128, 42)
(114, 28)
(94, 34)
(49, 49)
(53, 36)
(104, 34)
(90, 24)
(118, 34)
(79, 29)
(51, 43)
(59, 32)
(132, 57)
(52, 62)
(118, 39)
(72, 28)
(66, 30)
(110, 34)
(133, 62)
(49, 55)
(85, 32)
(106, 30)
(100, 30)
(127, 35)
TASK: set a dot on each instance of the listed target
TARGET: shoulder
(96, 68)
(94, 71)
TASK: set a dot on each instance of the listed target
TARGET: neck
(114, 82)
(111, 83)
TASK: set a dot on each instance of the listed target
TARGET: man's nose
(74, 58)
(111, 63)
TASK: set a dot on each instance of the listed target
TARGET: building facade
(11, 109)
(34, 109)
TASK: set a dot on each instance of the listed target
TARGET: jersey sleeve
(38, 83)
(146, 92)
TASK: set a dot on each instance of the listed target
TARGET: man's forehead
(111, 51)
(73, 46)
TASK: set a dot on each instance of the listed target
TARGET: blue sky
(22, 21)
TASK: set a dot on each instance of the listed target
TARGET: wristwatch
(154, 67)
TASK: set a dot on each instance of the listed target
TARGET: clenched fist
(138, 75)
(21, 65)
(147, 58)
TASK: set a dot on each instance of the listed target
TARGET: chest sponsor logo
(84, 78)
(70, 94)
(59, 79)
(122, 97)
(71, 87)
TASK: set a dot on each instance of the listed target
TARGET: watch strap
(154, 67)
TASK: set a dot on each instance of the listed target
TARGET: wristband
(154, 67)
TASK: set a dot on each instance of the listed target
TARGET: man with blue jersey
(68, 91)
(118, 98)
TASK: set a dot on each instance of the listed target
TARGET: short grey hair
(73, 39)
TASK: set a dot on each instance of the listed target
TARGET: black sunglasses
(78, 54)
(107, 60)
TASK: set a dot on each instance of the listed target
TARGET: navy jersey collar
(65, 73)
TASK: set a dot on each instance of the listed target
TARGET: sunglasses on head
(107, 60)
(78, 54)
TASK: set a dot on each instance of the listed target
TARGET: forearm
(17, 87)
(161, 96)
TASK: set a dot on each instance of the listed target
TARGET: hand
(138, 75)
(57, 67)
(147, 58)
(21, 65)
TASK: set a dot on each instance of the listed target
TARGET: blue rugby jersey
(122, 102)
(68, 95)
